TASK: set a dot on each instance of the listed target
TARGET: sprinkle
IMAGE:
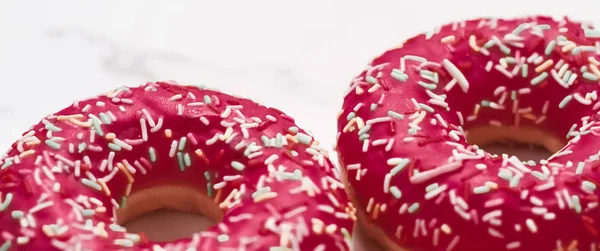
(237, 165)
(303, 138)
(539, 78)
(5, 246)
(481, 189)
(563, 103)
(52, 144)
(413, 208)
(456, 74)
(590, 76)
(550, 47)
(6, 202)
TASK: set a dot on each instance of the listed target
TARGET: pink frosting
(401, 137)
(62, 181)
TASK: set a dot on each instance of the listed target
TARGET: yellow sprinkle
(26, 153)
(124, 170)
(448, 39)
(80, 123)
(473, 43)
(68, 117)
(168, 133)
(593, 60)
(595, 70)
(568, 47)
(104, 187)
(110, 136)
(544, 66)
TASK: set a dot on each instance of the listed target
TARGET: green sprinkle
(373, 107)
(371, 80)
(294, 153)
(209, 189)
(207, 175)
(123, 202)
(565, 101)
(398, 168)
(91, 184)
(49, 126)
(350, 116)
(6, 164)
(96, 125)
(399, 75)
(588, 185)
(592, 33)
(88, 212)
(550, 47)
(539, 175)
(105, 118)
(567, 75)
(562, 38)
(513, 95)
(152, 153)
(17, 214)
(237, 165)
(416, 58)
(485, 103)
(294, 129)
(395, 192)
(346, 234)
(543, 26)
(489, 44)
(427, 73)
(364, 130)
(519, 29)
(481, 189)
(590, 76)
(395, 115)
(580, 167)
(583, 68)
(539, 78)
(576, 203)
(52, 144)
(363, 137)
(180, 161)
(412, 131)
(207, 100)
(413, 208)
(431, 187)
(114, 147)
(514, 182)
(182, 143)
(117, 228)
(504, 49)
(81, 147)
(187, 160)
(524, 70)
(505, 174)
(303, 138)
(223, 238)
(5, 246)
(426, 107)
(575, 51)
(427, 85)
(510, 60)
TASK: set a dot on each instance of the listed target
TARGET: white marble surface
(296, 55)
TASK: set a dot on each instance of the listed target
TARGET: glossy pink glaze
(424, 186)
(196, 136)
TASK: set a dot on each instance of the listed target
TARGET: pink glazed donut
(69, 181)
(418, 184)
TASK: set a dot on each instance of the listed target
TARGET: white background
(298, 56)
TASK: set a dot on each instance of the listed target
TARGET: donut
(73, 179)
(413, 122)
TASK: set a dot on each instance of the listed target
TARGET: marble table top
(298, 56)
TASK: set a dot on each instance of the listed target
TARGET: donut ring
(71, 180)
(403, 127)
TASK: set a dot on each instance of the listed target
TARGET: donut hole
(526, 143)
(168, 213)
